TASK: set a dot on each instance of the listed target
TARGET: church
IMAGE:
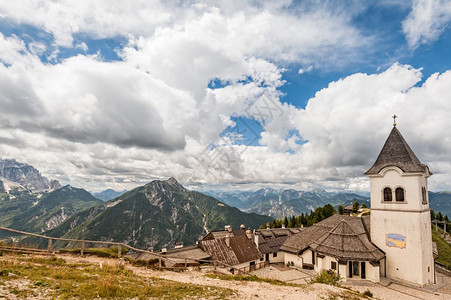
(395, 241)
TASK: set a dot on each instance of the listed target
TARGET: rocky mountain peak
(26, 176)
(172, 181)
(55, 184)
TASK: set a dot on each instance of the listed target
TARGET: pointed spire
(397, 153)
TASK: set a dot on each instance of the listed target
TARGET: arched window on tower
(423, 192)
(399, 194)
(387, 194)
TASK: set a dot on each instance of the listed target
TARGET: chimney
(227, 240)
(242, 226)
(228, 228)
(164, 250)
(283, 225)
(256, 239)
(178, 245)
(249, 233)
(267, 226)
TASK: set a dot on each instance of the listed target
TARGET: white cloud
(95, 123)
(427, 20)
(305, 70)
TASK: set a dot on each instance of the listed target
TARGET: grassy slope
(54, 278)
(443, 247)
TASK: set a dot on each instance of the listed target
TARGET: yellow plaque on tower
(395, 240)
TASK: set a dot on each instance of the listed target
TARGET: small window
(274, 254)
(355, 268)
(423, 192)
(387, 194)
(399, 195)
(333, 265)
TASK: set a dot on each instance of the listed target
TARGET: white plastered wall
(297, 260)
(411, 219)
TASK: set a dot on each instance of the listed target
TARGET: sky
(223, 94)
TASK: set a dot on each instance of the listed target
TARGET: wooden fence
(436, 222)
(182, 263)
(250, 268)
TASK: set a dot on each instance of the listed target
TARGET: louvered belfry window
(423, 192)
(387, 194)
(399, 194)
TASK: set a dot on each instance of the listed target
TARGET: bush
(368, 293)
(151, 263)
(326, 277)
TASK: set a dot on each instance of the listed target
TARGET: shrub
(368, 293)
(326, 277)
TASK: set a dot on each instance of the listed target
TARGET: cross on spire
(394, 120)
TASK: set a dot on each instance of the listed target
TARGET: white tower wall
(403, 229)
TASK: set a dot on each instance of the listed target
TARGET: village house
(341, 243)
(269, 241)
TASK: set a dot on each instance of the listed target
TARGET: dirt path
(244, 290)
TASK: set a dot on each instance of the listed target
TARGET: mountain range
(289, 202)
(156, 215)
(108, 194)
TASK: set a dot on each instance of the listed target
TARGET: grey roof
(341, 236)
(219, 234)
(193, 252)
(396, 152)
(241, 250)
(348, 240)
(270, 239)
(190, 254)
(271, 245)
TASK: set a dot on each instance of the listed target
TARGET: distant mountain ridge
(27, 211)
(108, 194)
(16, 174)
(440, 202)
(289, 202)
(281, 203)
(156, 215)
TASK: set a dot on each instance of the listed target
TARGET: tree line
(308, 219)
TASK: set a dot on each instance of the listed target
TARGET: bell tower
(400, 216)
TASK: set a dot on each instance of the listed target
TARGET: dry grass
(55, 278)
(251, 278)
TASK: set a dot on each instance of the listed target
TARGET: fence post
(49, 247)
(436, 227)
(82, 250)
(119, 250)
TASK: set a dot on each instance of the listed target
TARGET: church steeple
(400, 217)
(397, 153)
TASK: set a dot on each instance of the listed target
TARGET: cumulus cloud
(156, 112)
(426, 21)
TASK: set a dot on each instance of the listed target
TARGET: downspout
(385, 267)
(338, 267)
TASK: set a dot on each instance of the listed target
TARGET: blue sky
(113, 94)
